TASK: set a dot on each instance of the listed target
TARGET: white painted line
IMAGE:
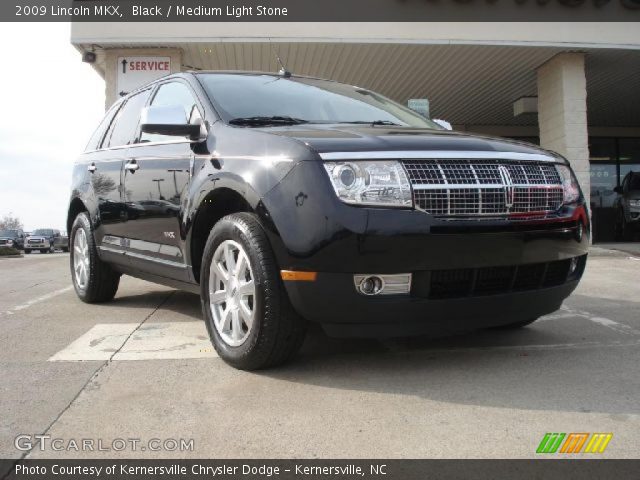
(99, 343)
(152, 341)
(168, 340)
(602, 321)
(32, 302)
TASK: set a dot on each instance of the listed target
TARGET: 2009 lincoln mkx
(283, 200)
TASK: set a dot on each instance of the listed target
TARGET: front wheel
(622, 230)
(94, 280)
(247, 311)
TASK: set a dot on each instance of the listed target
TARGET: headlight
(569, 184)
(634, 203)
(9, 243)
(376, 183)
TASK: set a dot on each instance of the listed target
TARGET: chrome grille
(484, 187)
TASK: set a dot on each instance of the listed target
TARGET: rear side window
(96, 139)
(124, 128)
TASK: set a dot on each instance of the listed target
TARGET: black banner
(320, 10)
(565, 469)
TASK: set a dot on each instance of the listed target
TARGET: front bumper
(311, 230)
(441, 301)
(36, 246)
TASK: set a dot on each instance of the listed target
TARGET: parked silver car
(628, 207)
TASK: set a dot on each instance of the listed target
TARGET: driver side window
(173, 93)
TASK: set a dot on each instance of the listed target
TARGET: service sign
(133, 72)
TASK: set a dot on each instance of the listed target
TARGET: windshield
(258, 98)
(8, 233)
(43, 231)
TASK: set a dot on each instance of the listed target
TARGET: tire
(513, 326)
(27, 252)
(622, 231)
(276, 331)
(100, 282)
(65, 250)
(43, 251)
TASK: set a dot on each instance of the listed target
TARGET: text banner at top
(320, 10)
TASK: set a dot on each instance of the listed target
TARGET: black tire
(102, 281)
(65, 250)
(277, 332)
(43, 251)
(622, 231)
(27, 252)
(513, 326)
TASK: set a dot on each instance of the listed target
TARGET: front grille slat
(469, 188)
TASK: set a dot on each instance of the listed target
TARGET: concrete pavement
(141, 368)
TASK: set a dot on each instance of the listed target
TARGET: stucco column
(562, 112)
(111, 66)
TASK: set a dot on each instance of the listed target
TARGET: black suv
(283, 199)
(627, 206)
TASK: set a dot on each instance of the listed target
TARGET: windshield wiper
(273, 120)
(373, 122)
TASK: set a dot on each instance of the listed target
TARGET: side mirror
(443, 123)
(617, 189)
(169, 120)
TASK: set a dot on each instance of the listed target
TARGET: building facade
(571, 87)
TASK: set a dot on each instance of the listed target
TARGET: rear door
(107, 177)
(156, 181)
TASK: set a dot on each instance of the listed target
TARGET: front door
(156, 181)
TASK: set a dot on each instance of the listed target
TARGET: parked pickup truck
(12, 238)
(296, 199)
(46, 240)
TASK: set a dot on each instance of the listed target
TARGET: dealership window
(604, 171)
(629, 153)
(611, 159)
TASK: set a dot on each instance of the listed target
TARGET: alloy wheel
(81, 258)
(232, 293)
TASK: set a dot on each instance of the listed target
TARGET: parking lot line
(33, 301)
(152, 341)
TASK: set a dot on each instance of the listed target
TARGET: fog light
(573, 265)
(371, 285)
(397, 284)
(579, 231)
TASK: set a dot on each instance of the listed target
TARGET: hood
(366, 138)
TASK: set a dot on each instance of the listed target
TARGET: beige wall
(562, 112)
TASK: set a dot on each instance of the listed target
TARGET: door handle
(92, 168)
(132, 166)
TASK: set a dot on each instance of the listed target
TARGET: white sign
(133, 72)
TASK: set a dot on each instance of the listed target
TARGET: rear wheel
(27, 252)
(94, 280)
(247, 311)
